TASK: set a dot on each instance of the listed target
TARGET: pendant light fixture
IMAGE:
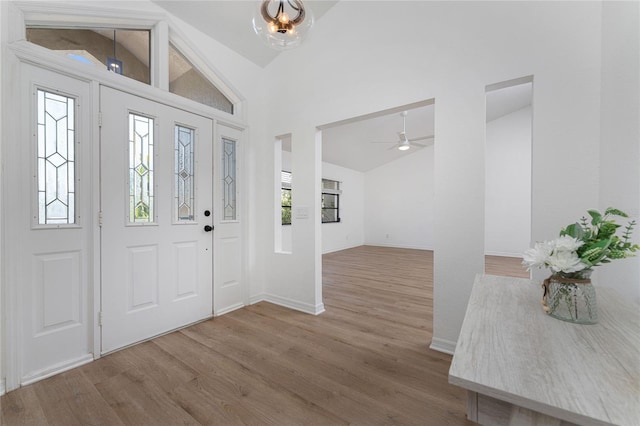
(282, 24)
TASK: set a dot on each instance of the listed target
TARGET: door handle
(208, 228)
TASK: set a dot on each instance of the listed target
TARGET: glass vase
(570, 299)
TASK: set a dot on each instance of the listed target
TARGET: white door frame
(22, 51)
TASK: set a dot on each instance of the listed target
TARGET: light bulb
(404, 147)
(284, 18)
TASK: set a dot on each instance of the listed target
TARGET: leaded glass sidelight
(56, 159)
(141, 191)
(184, 196)
(229, 179)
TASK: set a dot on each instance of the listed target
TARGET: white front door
(48, 225)
(157, 214)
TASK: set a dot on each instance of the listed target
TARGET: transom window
(185, 80)
(127, 52)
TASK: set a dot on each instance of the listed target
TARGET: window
(330, 201)
(56, 158)
(229, 179)
(141, 179)
(128, 52)
(185, 80)
(184, 201)
(286, 197)
(125, 52)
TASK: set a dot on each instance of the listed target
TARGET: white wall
(508, 184)
(449, 51)
(620, 132)
(399, 202)
(349, 232)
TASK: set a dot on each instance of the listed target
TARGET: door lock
(208, 228)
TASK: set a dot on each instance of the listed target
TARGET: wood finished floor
(365, 361)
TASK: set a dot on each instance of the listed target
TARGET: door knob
(208, 228)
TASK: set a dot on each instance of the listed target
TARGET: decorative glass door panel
(184, 144)
(56, 158)
(229, 179)
(141, 191)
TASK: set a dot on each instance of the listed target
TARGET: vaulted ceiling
(354, 142)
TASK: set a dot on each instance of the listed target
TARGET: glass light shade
(288, 35)
(404, 146)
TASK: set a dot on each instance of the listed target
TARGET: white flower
(538, 256)
(565, 261)
(560, 255)
(566, 243)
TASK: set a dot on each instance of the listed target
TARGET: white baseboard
(503, 254)
(256, 298)
(443, 345)
(56, 369)
(307, 308)
(3, 387)
(228, 309)
(350, 246)
(405, 246)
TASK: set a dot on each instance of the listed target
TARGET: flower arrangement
(584, 245)
(568, 292)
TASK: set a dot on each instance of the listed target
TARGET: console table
(523, 367)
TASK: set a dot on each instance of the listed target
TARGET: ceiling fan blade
(421, 145)
(421, 138)
(395, 146)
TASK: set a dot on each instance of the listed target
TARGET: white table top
(511, 350)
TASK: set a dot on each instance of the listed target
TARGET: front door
(157, 217)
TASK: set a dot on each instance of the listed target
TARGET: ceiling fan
(403, 143)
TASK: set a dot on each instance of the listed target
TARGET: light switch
(301, 212)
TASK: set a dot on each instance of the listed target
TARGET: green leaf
(596, 217)
(574, 230)
(615, 212)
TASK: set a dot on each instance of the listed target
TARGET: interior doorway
(383, 163)
(508, 175)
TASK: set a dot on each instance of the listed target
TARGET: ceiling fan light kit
(403, 142)
(282, 24)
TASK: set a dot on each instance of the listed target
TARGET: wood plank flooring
(365, 361)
